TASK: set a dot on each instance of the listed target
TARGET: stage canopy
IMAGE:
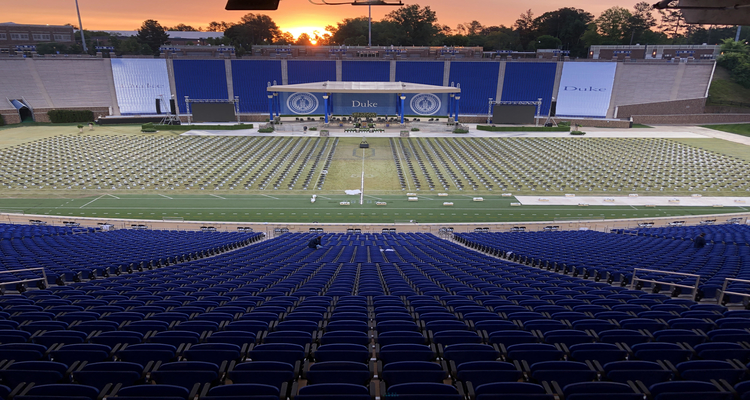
(346, 98)
(363, 87)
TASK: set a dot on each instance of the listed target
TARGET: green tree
(132, 46)
(184, 28)
(222, 26)
(567, 24)
(548, 42)
(349, 28)
(386, 33)
(728, 45)
(52, 48)
(614, 25)
(502, 39)
(641, 20)
(303, 40)
(672, 22)
(418, 24)
(153, 35)
(525, 27)
(251, 30)
(592, 37)
(285, 38)
(732, 60)
(741, 73)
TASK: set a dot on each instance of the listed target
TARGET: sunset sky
(292, 14)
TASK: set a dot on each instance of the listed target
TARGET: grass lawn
(739, 129)
(639, 126)
(723, 91)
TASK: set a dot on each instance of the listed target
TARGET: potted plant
(80, 128)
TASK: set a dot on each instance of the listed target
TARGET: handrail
(695, 288)
(43, 278)
(723, 289)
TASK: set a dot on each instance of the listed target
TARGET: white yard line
(275, 198)
(92, 201)
(166, 196)
(223, 198)
(111, 195)
(376, 198)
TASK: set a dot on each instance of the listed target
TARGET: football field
(116, 172)
(327, 208)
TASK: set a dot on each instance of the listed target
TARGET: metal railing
(723, 290)
(42, 278)
(694, 288)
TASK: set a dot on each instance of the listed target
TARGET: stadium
(473, 245)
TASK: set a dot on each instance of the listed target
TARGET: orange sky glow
(294, 16)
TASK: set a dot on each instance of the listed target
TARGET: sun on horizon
(310, 30)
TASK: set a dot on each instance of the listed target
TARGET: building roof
(37, 25)
(187, 35)
(363, 87)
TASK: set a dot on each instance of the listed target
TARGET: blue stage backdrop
(250, 78)
(381, 103)
(478, 84)
(212, 83)
(530, 81)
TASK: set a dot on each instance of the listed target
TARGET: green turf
(640, 126)
(739, 129)
(725, 92)
(297, 208)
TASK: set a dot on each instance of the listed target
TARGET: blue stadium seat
(338, 372)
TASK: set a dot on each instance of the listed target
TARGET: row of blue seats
(73, 257)
(723, 233)
(613, 257)
(418, 275)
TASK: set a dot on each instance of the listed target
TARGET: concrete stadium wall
(10, 116)
(642, 83)
(69, 83)
(596, 225)
(692, 106)
(19, 80)
(726, 109)
(591, 122)
(690, 119)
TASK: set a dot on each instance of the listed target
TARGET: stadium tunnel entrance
(23, 111)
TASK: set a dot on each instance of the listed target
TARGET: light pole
(80, 26)
(369, 25)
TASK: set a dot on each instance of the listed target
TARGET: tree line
(566, 28)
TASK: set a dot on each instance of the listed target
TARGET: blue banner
(425, 104)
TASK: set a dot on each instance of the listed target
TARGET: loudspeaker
(158, 106)
(252, 5)
(172, 107)
(553, 108)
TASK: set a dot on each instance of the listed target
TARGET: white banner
(139, 82)
(585, 89)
